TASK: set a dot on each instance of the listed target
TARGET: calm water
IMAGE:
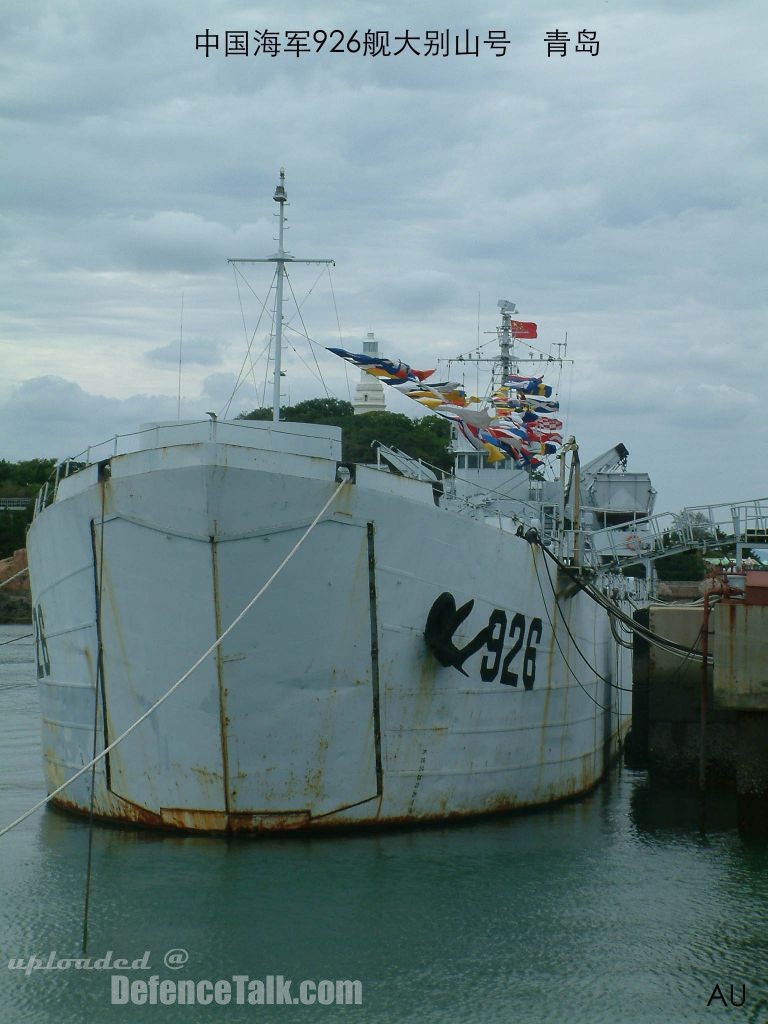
(616, 908)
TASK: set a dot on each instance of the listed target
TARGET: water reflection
(660, 809)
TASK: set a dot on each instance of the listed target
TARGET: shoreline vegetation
(19, 484)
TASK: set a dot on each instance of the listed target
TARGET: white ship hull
(324, 706)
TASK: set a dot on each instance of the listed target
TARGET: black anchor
(442, 622)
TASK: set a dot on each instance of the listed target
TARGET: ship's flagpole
(281, 198)
(281, 257)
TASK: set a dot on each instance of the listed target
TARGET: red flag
(520, 329)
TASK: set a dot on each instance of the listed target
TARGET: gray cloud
(201, 351)
(619, 198)
(52, 417)
(218, 387)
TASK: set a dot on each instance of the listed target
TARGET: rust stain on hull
(199, 822)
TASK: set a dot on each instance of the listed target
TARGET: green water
(617, 908)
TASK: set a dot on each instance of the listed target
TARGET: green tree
(427, 438)
(13, 530)
(685, 565)
(332, 411)
(20, 480)
(24, 479)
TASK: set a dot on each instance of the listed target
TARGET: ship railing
(696, 527)
(118, 444)
(644, 539)
(404, 464)
(743, 520)
(484, 500)
(635, 589)
(544, 517)
(125, 444)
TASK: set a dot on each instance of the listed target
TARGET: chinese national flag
(520, 329)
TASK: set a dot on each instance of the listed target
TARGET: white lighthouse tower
(369, 393)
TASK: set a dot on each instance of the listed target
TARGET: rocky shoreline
(15, 598)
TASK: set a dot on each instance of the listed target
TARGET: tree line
(20, 480)
(427, 438)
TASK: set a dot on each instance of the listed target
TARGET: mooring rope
(187, 674)
(15, 639)
(15, 576)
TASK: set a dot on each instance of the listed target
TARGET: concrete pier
(707, 728)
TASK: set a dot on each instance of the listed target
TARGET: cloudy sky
(619, 198)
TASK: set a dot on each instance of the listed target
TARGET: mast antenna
(281, 257)
(507, 356)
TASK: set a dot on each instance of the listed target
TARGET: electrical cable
(579, 651)
(554, 637)
(681, 650)
(613, 623)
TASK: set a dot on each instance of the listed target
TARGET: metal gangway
(14, 504)
(696, 528)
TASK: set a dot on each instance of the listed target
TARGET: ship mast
(280, 197)
(281, 257)
(509, 360)
(505, 337)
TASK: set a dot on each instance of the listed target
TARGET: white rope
(15, 576)
(187, 674)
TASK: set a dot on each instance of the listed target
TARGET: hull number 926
(519, 633)
(502, 662)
